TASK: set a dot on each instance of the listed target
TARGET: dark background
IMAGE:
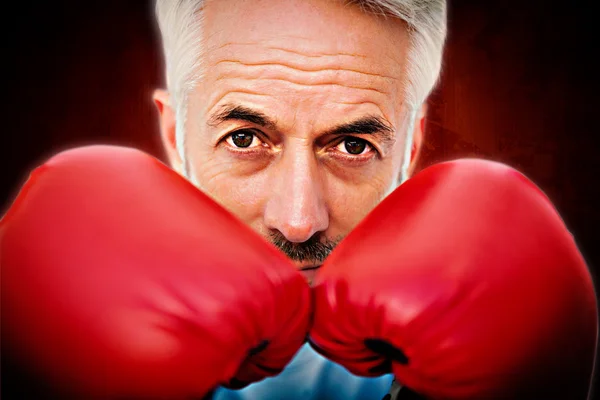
(519, 86)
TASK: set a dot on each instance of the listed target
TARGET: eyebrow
(368, 125)
(233, 112)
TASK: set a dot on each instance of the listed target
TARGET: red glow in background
(519, 85)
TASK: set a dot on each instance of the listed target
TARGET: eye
(354, 146)
(243, 139)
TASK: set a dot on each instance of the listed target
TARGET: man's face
(298, 125)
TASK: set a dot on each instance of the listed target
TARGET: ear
(167, 122)
(418, 132)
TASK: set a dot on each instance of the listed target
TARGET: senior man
(299, 117)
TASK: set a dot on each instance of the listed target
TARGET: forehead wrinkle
(306, 59)
(242, 91)
(385, 116)
(262, 88)
(356, 103)
(301, 67)
(325, 84)
(372, 103)
(295, 77)
(315, 54)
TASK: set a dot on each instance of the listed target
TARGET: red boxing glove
(122, 280)
(465, 284)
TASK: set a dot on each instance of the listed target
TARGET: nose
(296, 206)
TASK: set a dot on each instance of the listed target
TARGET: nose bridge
(296, 206)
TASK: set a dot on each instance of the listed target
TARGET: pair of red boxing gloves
(122, 280)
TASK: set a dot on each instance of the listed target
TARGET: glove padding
(122, 280)
(465, 284)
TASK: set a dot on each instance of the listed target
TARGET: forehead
(291, 50)
(307, 27)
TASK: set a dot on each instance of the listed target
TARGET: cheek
(350, 202)
(241, 194)
(243, 197)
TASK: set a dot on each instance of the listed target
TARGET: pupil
(242, 139)
(355, 146)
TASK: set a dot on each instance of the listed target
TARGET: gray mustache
(314, 250)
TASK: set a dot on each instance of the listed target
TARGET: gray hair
(180, 24)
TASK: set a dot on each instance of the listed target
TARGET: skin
(308, 66)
